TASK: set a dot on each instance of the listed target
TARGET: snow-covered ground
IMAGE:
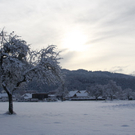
(69, 118)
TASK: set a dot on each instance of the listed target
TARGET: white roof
(27, 96)
(3, 95)
(51, 95)
(82, 93)
(72, 93)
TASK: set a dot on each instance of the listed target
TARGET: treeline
(111, 91)
(83, 79)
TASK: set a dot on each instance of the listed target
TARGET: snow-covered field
(69, 118)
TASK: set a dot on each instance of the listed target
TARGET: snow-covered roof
(3, 95)
(51, 95)
(72, 93)
(27, 95)
(82, 93)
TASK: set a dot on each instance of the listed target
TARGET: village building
(40, 96)
(52, 98)
(4, 97)
(26, 97)
(77, 94)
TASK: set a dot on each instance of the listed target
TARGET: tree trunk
(128, 97)
(111, 96)
(10, 109)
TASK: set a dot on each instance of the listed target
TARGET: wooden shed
(40, 96)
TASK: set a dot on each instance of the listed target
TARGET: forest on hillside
(82, 79)
(98, 83)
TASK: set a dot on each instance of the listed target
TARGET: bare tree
(128, 93)
(62, 91)
(18, 64)
(96, 90)
(111, 89)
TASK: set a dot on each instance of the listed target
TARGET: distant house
(26, 97)
(51, 98)
(40, 96)
(4, 97)
(78, 94)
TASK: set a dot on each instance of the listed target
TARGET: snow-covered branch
(20, 64)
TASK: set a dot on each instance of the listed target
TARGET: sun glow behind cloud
(75, 40)
(94, 35)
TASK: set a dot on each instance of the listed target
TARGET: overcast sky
(92, 34)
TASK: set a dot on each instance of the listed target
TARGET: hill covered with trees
(81, 79)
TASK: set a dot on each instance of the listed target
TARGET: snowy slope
(69, 118)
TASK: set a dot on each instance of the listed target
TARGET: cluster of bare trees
(111, 91)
